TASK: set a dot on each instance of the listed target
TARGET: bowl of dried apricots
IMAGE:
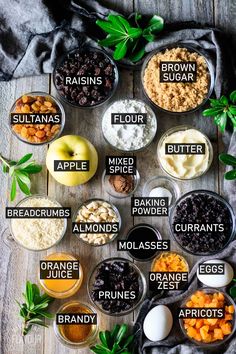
(37, 118)
(209, 331)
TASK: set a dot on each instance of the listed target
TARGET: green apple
(72, 148)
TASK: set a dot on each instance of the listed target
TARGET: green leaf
(23, 176)
(96, 350)
(137, 18)
(103, 349)
(32, 169)
(23, 187)
(137, 55)
(46, 314)
(155, 24)
(115, 331)
(103, 339)
(134, 32)
(233, 96)
(24, 159)
(122, 332)
(212, 112)
(148, 36)
(215, 103)
(232, 292)
(128, 341)
(227, 159)
(124, 22)
(29, 293)
(114, 19)
(232, 109)
(109, 27)
(110, 41)
(121, 50)
(11, 170)
(115, 348)
(233, 119)
(4, 168)
(230, 175)
(221, 120)
(224, 100)
(13, 189)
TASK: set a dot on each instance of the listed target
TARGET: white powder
(37, 234)
(129, 137)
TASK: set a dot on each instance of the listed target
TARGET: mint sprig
(33, 310)
(19, 173)
(223, 110)
(128, 38)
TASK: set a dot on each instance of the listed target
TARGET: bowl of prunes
(116, 286)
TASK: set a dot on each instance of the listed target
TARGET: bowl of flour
(129, 125)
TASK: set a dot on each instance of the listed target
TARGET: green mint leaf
(13, 189)
(155, 24)
(124, 22)
(233, 96)
(109, 27)
(32, 169)
(212, 112)
(134, 32)
(110, 41)
(230, 175)
(137, 55)
(227, 159)
(121, 50)
(29, 293)
(221, 120)
(103, 339)
(23, 187)
(24, 159)
(36, 291)
(232, 109)
(96, 350)
(224, 100)
(23, 176)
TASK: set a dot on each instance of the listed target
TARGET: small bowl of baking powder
(129, 125)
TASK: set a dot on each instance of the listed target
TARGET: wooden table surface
(16, 264)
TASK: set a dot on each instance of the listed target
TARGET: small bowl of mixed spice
(116, 286)
(120, 186)
(177, 92)
(37, 118)
(86, 77)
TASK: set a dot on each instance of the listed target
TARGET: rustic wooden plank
(17, 264)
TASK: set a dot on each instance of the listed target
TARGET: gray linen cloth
(176, 342)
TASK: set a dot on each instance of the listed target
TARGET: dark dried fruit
(202, 209)
(116, 276)
(89, 64)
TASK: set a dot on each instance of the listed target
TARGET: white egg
(158, 323)
(217, 280)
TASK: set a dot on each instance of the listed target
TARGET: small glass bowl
(56, 293)
(169, 253)
(158, 236)
(52, 245)
(90, 340)
(165, 182)
(176, 129)
(190, 48)
(228, 302)
(87, 48)
(216, 196)
(114, 208)
(104, 129)
(143, 286)
(61, 110)
(110, 190)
